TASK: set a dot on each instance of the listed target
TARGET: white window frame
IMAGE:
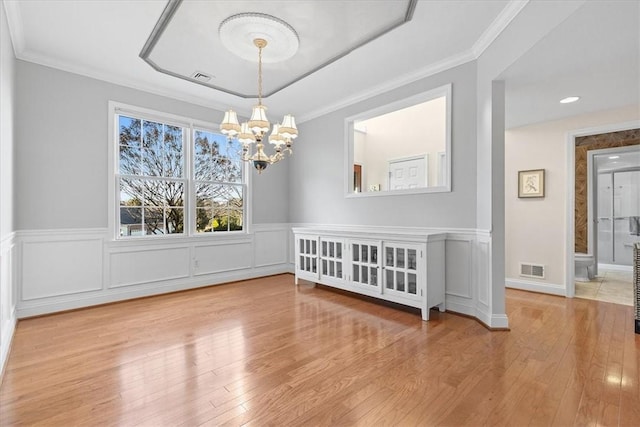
(442, 91)
(117, 108)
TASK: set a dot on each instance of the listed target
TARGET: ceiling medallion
(238, 32)
(257, 31)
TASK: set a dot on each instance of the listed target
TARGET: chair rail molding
(74, 268)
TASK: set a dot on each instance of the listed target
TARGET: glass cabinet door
(401, 269)
(365, 264)
(308, 254)
(331, 258)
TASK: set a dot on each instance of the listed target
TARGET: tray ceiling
(186, 43)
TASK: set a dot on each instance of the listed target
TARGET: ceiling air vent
(532, 270)
(201, 77)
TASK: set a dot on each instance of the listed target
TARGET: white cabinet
(403, 264)
(365, 264)
(405, 269)
(307, 257)
(331, 259)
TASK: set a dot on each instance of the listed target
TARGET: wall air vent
(531, 270)
(201, 77)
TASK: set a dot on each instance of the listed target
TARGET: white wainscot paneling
(483, 271)
(270, 247)
(209, 259)
(458, 271)
(7, 298)
(145, 265)
(60, 267)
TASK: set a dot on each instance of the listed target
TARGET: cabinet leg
(296, 280)
(425, 314)
(442, 308)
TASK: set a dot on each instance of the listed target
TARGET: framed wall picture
(531, 183)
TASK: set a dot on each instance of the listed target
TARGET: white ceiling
(594, 54)
(326, 30)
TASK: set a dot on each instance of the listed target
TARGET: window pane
(202, 156)
(129, 131)
(153, 192)
(174, 220)
(174, 193)
(130, 161)
(130, 221)
(227, 196)
(203, 195)
(152, 153)
(154, 220)
(130, 192)
(235, 220)
(204, 220)
(216, 158)
(151, 136)
(173, 152)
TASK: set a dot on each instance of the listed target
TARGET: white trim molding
(532, 286)
(8, 298)
(570, 192)
(68, 269)
(128, 269)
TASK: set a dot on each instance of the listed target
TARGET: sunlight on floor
(608, 286)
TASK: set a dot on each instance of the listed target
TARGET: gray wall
(62, 148)
(317, 170)
(7, 226)
(7, 107)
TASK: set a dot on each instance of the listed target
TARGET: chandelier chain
(260, 75)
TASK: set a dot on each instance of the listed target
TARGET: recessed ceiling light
(569, 99)
(613, 157)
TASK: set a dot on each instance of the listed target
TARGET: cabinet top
(361, 232)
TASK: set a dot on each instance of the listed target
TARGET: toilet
(584, 267)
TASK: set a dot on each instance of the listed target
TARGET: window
(175, 178)
(218, 183)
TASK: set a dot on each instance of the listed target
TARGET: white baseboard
(615, 267)
(543, 288)
(7, 338)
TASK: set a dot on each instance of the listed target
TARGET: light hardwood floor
(266, 352)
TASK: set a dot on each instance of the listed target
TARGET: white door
(407, 173)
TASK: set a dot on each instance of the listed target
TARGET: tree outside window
(153, 183)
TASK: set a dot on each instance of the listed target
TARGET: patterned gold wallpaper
(583, 145)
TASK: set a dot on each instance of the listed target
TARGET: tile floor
(608, 286)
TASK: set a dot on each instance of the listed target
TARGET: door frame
(569, 247)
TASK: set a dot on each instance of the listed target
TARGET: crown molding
(430, 70)
(498, 25)
(120, 81)
(503, 19)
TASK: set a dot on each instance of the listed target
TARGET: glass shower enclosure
(618, 215)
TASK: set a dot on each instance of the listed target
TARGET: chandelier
(257, 127)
